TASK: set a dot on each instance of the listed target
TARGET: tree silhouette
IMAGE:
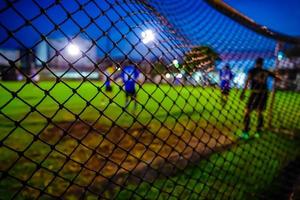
(200, 58)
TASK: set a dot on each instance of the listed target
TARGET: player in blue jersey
(129, 77)
(226, 77)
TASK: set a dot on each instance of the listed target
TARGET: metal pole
(277, 49)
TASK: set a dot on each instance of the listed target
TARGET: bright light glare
(73, 50)
(240, 79)
(197, 76)
(280, 56)
(168, 75)
(175, 63)
(147, 36)
(179, 75)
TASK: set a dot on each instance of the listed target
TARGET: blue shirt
(225, 78)
(107, 81)
(129, 76)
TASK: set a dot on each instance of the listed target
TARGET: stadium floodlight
(147, 36)
(73, 49)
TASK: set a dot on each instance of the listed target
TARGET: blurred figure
(108, 77)
(226, 77)
(35, 76)
(257, 79)
(20, 76)
(108, 73)
(129, 77)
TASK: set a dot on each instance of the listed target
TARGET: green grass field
(160, 101)
(34, 120)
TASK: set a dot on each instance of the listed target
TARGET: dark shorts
(225, 90)
(258, 101)
(108, 88)
(130, 93)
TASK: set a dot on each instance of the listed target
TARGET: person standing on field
(226, 77)
(129, 77)
(257, 79)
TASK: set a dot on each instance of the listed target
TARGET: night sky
(280, 15)
(192, 19)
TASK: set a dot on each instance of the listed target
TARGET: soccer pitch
(165, 103)
(158, 101)
(157, 104)
(167, 116)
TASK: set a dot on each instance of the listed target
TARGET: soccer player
(129, 77)
(108, 75)
(225, 80)
(257, 78)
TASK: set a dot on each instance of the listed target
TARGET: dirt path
(104, 157)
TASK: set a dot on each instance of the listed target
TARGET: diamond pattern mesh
(104, 99)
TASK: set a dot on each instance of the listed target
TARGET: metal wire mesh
(126, 100)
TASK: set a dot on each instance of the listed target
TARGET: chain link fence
(104, 99)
